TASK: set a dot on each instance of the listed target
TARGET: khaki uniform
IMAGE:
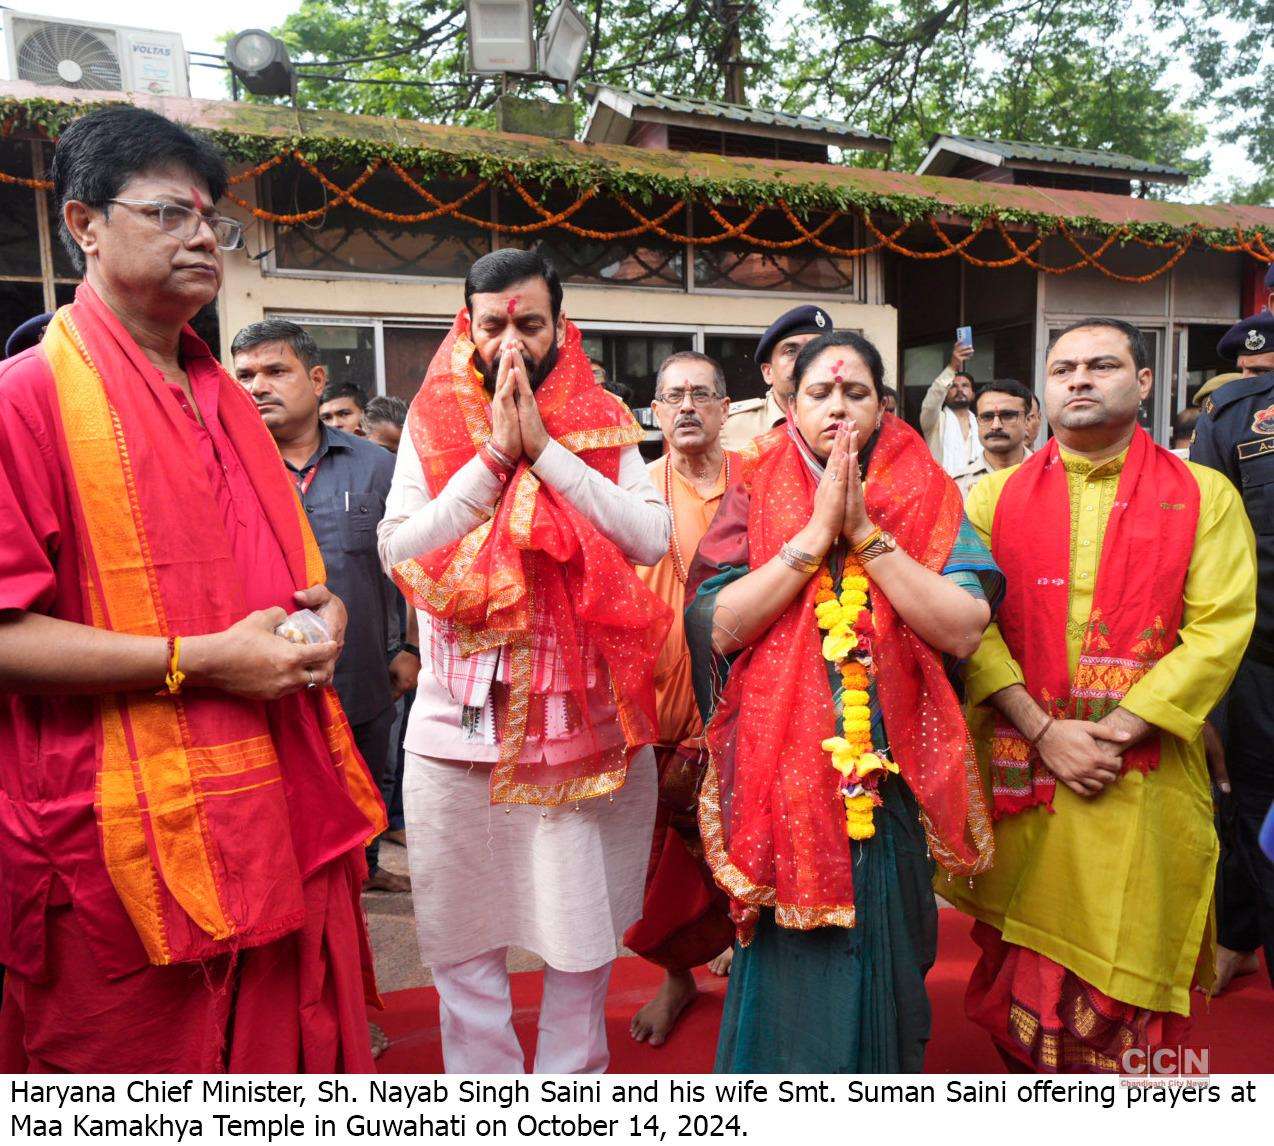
(968, 477)
(749, 418)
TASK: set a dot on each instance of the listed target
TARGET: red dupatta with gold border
(191, 802)
(538, 555)
(771, 816)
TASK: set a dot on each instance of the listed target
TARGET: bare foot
(380, 1040)
(384, 880)
(1231, 964)
(654, 1022)
(721, 964)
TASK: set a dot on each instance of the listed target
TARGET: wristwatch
(882, 543)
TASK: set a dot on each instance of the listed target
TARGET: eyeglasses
(1007, 417)
(183, 222)
(699, 396)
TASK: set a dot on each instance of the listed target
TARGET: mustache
(536, 372)
(997, 435)
(687, 420)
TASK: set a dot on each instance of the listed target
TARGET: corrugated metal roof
(740, 113)
(1012, 149)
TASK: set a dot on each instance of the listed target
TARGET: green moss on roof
(253, 132)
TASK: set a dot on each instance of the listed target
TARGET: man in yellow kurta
(685, 919)
(1131, 596)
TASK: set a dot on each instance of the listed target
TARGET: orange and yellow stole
(538, 556)
(1137, 600)
(190, 799)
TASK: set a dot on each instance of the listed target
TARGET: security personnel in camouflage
(1235, 434)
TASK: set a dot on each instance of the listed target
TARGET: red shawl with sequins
(538, 556)
(772, 820)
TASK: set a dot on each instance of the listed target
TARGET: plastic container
(304, 627)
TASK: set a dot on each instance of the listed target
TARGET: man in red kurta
(182, 811)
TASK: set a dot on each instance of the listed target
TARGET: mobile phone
(964, 334)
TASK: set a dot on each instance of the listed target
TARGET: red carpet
(1237, 1027)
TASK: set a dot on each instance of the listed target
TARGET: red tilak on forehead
(513, 305)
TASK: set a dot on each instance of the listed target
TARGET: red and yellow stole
(538, 556)
(1137, 600)
(772, 820)
(190, 800)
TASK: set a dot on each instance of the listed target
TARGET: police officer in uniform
(776, 355)
(1235, 434)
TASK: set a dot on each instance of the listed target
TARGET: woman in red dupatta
(846, 579)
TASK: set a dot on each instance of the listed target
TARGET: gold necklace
(674, 545)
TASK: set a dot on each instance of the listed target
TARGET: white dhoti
(562, 883)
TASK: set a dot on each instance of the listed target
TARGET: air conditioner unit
(95, 57)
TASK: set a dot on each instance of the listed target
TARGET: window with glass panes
(36, 273)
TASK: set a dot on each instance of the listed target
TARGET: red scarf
(192, 795)
(772, 819)
(538, 554)
(1137, 600)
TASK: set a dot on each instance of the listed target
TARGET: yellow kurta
(1117, 888)
(692, 513)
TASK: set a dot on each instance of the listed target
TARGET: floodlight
(563, 43)
(261, 62)
(501, 36)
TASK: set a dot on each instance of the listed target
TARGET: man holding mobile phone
(946, 418)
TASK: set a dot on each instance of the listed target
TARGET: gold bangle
(867, 542)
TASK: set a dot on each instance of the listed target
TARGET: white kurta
(565, 884)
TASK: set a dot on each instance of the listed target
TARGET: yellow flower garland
(851, 751)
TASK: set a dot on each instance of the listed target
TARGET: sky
(202, 25)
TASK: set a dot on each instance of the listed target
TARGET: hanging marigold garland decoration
(845, 619)
(1256, 245)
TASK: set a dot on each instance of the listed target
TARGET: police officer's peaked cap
(27, 335)
(1254, 335)
(798, 320)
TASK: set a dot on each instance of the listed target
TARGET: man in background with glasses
(184, 810)
(1002, 409)
(685, 919)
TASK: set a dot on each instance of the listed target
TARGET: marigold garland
(846, 620)
(1256, 245)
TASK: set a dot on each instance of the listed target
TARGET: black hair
(386, 408)
(335, 390)
(99, 152)
(851, 341)
(278, 330)
(1137, 345)
(966, 375)
(889, 392)
(621, 390)
(1009, 386)
(1184, 421)
(718, 375)
(503, 268)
